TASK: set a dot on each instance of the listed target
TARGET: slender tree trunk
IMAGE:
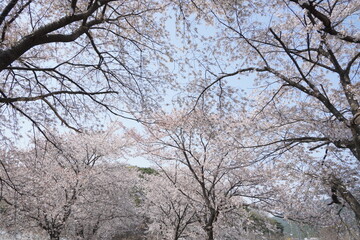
(209, 228)
(177, 234)
(209, 232)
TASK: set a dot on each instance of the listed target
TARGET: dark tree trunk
(209, 232)
(209, 228)
(55, 235)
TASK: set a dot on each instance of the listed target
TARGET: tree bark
(209, 227)
(209, 232)
(350, 200)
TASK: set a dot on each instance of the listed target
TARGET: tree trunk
(54, 234)
(209, 232)
(209, 227)
(351, 200)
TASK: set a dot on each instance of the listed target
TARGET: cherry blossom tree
(207, 173)
(303, 57)
(108, 206)
(292, 147)
(171, 214)
(65, 61)
(56, 185)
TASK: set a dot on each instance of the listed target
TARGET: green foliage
(147, 170)
(138, 191)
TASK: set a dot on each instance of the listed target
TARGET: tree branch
(29, 99)
(328, 28)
